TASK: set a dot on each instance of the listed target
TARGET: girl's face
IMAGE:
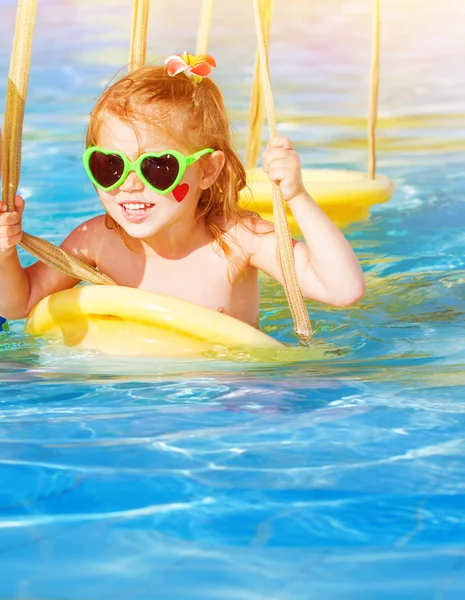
(137, 208)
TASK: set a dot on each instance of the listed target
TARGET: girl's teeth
(134, 206)
(136, 209)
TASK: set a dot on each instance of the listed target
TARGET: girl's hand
(282, 164)
(10, 227)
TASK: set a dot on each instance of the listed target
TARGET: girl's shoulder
(92, 232)
(248, 226)
(243, 238)
(85, 239)
(250, 230)
(92, 226)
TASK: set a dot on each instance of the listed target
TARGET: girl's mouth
(136, 211)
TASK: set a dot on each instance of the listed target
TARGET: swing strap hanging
(374, 89)
(140, 20)
(11, 148)
(257, 105)
(302, 325)
(203, 36)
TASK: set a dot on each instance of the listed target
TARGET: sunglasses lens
(160, 171)
(107, 169)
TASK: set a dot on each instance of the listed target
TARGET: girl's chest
(202, 277)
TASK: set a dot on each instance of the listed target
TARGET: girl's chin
(139, 229)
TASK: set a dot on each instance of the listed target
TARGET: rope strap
(374, 88)
(62, 261)
(140, 19)
(257, 106)
(302, 325)
(18, 79)
(203, 36)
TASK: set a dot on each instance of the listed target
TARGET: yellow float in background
(345, 196)
(127, 322)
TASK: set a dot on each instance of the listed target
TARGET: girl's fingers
(19, 205)
(284, 163)
(10, 225)
(277, 175)
(277, 170)
(277, 164)
(279, 141)
(279, 154)
(11, 242)
(10, 218)
(10, 230)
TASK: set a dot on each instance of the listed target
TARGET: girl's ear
(212, 166)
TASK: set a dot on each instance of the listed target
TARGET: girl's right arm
(21, 289)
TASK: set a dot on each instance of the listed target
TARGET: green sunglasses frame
(183, 161)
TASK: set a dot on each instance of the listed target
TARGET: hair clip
(194, 67)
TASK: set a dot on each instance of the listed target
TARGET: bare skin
(171, 251)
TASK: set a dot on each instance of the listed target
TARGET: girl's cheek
(105, 197)
(188, 189)
(180, 191)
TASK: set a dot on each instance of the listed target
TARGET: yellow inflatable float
(345, 196)
(125, 321)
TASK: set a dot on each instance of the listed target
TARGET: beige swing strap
(374, 88)
(203, 36)
(15, 100)
(302, 325)
(140, 19)
(257, 105)
(11, 148)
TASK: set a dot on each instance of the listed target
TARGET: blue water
(337, 476)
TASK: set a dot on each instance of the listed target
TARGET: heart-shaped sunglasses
(161, 171)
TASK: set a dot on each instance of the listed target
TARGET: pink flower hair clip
(194, 67)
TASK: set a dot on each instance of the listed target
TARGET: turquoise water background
(335, 478)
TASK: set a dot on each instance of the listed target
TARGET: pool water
(337, 475)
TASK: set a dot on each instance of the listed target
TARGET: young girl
(160, 157)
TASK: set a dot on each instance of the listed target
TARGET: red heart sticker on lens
(180, 192)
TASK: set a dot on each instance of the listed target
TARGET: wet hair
(195, 115)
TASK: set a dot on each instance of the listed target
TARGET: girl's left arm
(327, 269)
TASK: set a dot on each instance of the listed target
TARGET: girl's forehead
(129, 134)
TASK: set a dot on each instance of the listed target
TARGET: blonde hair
(192, 112)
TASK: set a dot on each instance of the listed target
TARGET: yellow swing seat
(126, 321)
(345, 196)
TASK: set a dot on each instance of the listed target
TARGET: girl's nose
(132, 183)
